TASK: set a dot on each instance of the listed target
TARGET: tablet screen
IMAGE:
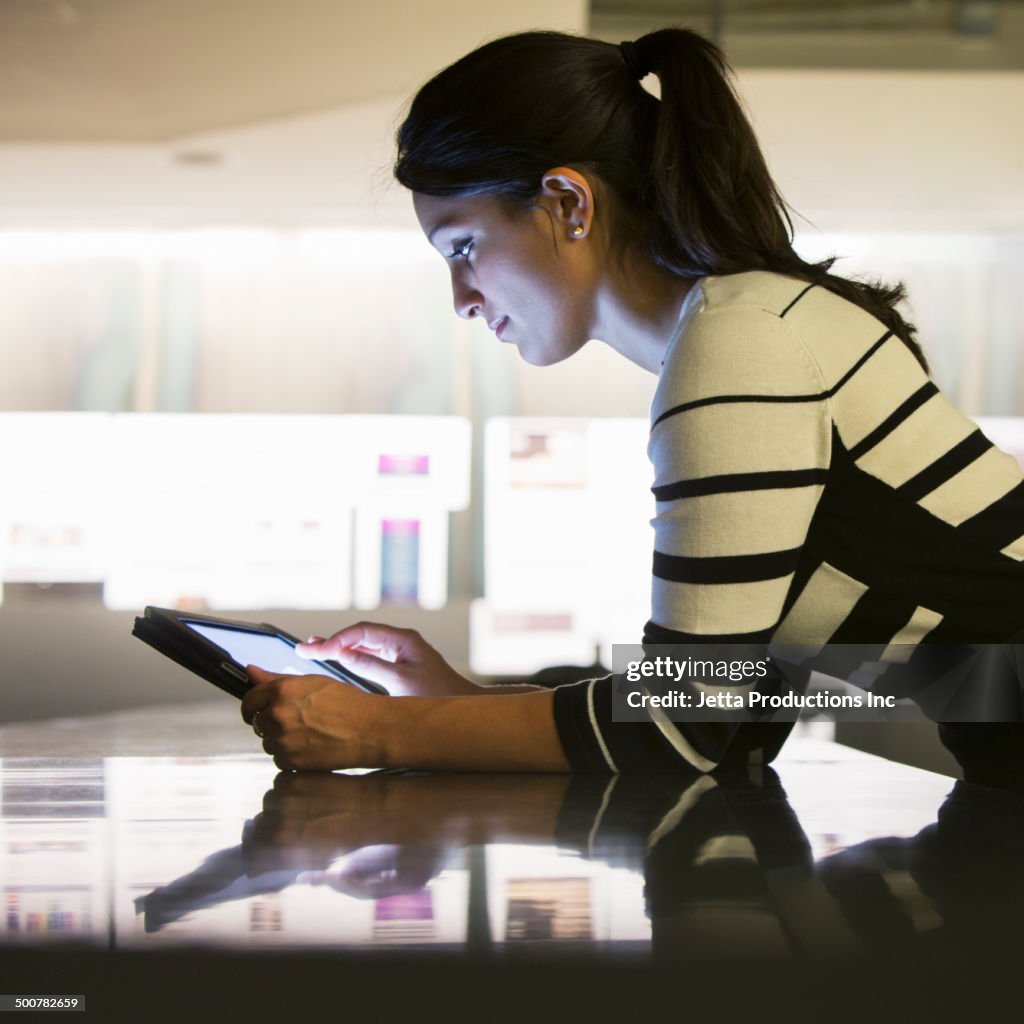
(266, 650)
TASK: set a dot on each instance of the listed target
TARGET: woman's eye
(461, 250)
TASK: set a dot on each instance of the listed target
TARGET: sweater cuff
(578, 733)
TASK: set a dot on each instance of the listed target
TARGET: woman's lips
(500, 326)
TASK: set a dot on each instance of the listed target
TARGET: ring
(256, 725)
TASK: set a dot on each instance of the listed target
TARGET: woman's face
(523, 273)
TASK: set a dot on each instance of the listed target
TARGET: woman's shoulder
(834, 332)
(735, 312)
(733, 341)
(782, 296)
(761, 289)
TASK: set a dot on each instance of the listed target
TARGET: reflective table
(193, 884)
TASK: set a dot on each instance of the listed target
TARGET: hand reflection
(376, 872)
(308, 821)
(367, 836)
(357, 834)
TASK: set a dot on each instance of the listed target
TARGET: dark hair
(689, 184)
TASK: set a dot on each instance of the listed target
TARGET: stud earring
(577, 232)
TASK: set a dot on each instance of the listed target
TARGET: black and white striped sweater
(812, 485)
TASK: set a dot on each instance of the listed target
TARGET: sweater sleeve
(740, 443)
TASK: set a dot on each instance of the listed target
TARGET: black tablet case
(202, 656)
(189, 656)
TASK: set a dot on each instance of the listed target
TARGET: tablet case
(160, 628)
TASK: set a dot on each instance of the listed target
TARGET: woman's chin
(538, 355)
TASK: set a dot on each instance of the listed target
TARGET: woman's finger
(386, 642)
(369, 666)
(259, 696)
(370, 636)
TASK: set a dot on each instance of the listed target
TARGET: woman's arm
(313, 723)
(514, 733)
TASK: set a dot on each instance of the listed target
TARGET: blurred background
(232, 378)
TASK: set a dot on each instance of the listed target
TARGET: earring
(577, 232)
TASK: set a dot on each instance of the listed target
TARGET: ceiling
(157, 70)
(161, 70)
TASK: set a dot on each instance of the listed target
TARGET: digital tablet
(219, 649)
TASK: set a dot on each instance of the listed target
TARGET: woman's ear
(569, 198)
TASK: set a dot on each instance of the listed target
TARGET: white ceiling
(157, 70)
(160, 70)
(134, 113)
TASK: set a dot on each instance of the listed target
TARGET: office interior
(234, 382)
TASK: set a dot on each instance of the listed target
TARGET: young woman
(811, 482)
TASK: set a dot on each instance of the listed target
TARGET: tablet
(219, 649)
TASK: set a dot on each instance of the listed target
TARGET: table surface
(124, 832)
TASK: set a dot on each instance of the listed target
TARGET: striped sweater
(812, 485)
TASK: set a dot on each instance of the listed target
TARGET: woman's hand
(314, 723)
(399, 659)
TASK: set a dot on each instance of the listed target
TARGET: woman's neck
(638, 312)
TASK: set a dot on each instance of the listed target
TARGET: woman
(812, 484)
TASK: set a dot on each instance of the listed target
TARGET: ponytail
(689, 185)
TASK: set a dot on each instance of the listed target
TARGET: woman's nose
(468, 301)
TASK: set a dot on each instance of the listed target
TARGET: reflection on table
(835, 854)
